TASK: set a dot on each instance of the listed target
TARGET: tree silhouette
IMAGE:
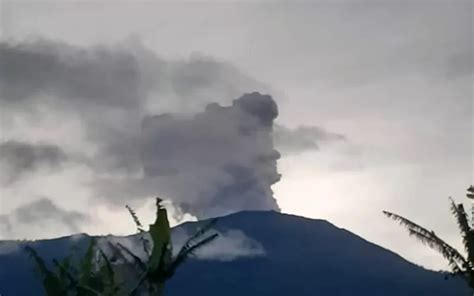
(122, 272)
(160, 264)
(461, 265)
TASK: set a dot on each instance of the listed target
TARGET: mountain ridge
(277, 254)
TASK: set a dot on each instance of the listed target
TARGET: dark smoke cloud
(303, 138)
(216, 162)
(121, 77)
(20, 158)
(110, 89)
(102, 76)
(43, 212)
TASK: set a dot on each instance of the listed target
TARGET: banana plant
(160, 265)
(98, 274)
(54, 284)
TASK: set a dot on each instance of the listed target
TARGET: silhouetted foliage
(87, 278)
(122, 272)
(160, 264)
(461, 265)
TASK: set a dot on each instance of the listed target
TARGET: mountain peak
(265, 253)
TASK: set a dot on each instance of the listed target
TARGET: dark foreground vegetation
(462, 266)
(123, 272)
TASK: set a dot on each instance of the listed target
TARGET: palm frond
(107, 270)
(138, 262)
(407, 223)
(135, 290)
(145, 245)
(198, 234)
(466, 230)
(470, 192)
(456, 261)
(65, 265)
(187, 251)
(64, 272)
(116, 254)
(87, 290)
(86, 271)
(135, 219)
(38, 260)
(51, 282)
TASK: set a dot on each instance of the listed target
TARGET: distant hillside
(262, 253)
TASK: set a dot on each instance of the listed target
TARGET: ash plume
(94, 107)
(216, 162)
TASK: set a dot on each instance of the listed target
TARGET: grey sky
(41, 214)
(393, 77)
(19, 158)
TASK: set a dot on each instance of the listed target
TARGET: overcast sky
(375, 112)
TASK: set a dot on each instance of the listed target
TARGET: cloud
(139, 128)
(122, 77)
(20, 158)
(303, 138)
(216, 162)
(219, 161)
(42, 213)
(49, 68)
(108, 90)
(231, 245)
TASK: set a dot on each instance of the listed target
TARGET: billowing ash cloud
(216, 162)
(19, 158)
(302, 138)
(106, 77)
(109, 90)
(121, 77)
(227, 151)
(42, 213)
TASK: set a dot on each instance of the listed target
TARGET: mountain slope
(276, 254)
